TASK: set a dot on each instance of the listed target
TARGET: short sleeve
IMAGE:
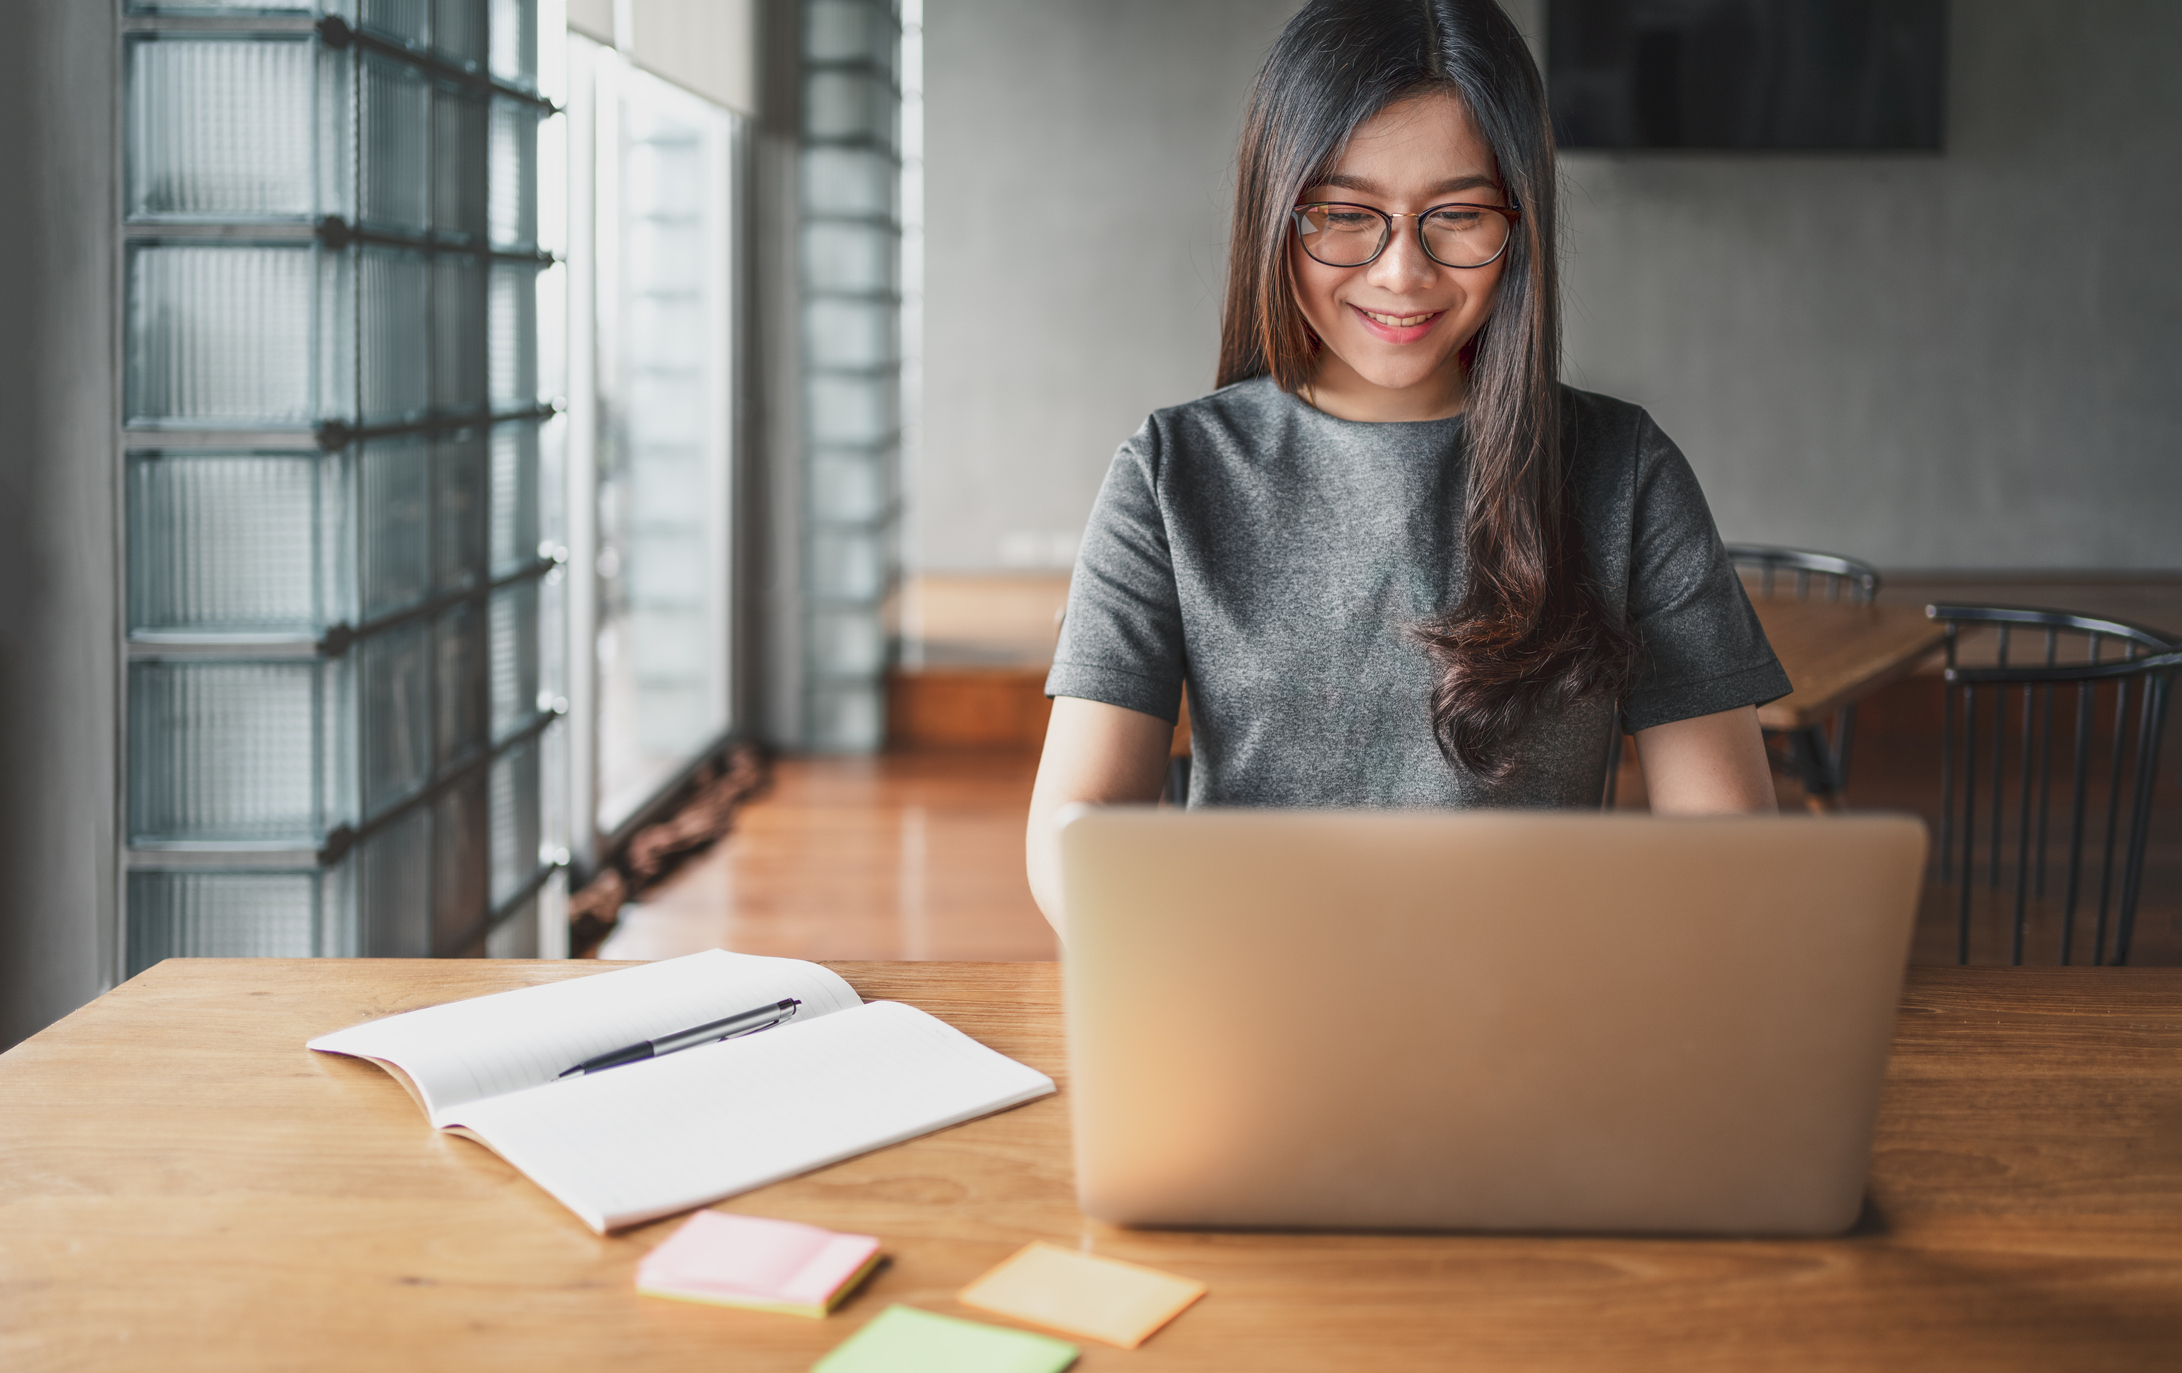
(1704, 650)
(1121, 639)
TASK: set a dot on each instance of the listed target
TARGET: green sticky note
(906, 1340)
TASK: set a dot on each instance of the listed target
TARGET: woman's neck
(1340, 390)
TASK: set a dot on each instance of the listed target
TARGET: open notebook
(634, 1143)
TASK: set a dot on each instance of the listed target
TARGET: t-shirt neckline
(1296, 400)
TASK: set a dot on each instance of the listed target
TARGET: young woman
(1394, 560)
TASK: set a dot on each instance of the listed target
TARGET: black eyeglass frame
(1507, 212)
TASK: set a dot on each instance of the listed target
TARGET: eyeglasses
(1452, 235)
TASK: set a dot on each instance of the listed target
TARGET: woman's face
(1393, 326)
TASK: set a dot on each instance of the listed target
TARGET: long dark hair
(1531, 631)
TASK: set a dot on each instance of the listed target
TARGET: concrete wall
(1054, 320)
(1968, 360)
(58, 505)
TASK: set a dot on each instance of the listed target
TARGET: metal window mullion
(331, 436)
(334, 639)
(495, 916)
(326, 438)
(335, 33)
(441, 784)
(331, 232)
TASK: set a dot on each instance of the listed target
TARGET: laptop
(1482, 1020)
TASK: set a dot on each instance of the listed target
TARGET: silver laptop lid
(1481, 1020)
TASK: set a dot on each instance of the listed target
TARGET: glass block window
(851, 179)
(344, 561)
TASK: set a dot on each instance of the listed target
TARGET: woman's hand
(1710, 765)
(1101, 754)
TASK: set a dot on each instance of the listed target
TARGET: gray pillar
(58, 511)
(769, 542)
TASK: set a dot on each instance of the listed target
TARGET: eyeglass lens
(1352, 235)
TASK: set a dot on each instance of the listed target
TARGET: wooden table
(184, 1186)
(1836, 654)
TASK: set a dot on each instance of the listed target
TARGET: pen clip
(787, 1013)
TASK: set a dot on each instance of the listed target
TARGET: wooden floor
(905, 855)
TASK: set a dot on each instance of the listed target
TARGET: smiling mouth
(1397, 321)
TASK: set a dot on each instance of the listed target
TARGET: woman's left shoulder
(1605, 428)
(1620, 463)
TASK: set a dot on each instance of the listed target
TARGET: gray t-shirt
(1273, 557)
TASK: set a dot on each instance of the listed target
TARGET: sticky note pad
(772, 1265)
(1082, 1294)
(906, 1340)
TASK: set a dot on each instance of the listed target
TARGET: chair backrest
(2073, 705)
(1839, 577)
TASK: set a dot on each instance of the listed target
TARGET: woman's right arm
(1121, 641)
(1096, 753)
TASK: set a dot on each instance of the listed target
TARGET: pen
(749, 1022)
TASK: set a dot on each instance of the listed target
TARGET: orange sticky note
(1082, 1294)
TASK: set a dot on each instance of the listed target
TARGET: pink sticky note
(751, 1261)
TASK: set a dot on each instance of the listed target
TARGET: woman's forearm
(1095, 753)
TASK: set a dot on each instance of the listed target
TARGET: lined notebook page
(490, 1045)
(665, 1135)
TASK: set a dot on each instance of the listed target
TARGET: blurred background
(466, 457)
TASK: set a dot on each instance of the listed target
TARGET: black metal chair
(1820, 759)
(1829, 571)
(2010, 741)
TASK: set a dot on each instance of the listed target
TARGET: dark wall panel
(1810, 74)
